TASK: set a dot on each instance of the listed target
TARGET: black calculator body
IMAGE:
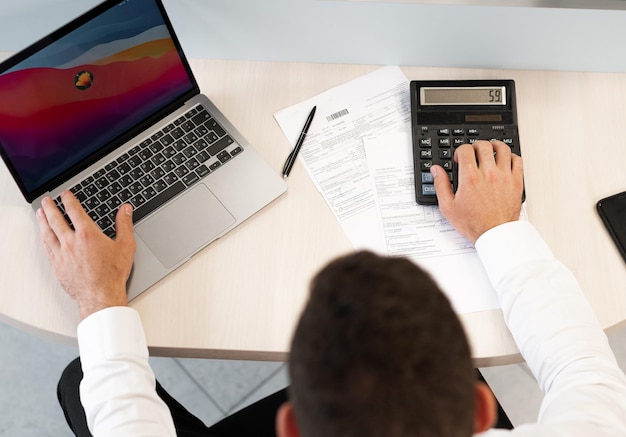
(448, 113)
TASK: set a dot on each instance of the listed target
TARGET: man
(378, 350)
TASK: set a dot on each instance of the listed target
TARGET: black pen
(294, 154)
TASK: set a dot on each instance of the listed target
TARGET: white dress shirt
(551, 321)
(118, 390)
(558, 335)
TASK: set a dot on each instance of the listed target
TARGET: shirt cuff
(509, 246)
(110, 333)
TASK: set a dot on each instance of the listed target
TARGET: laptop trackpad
(185, 226)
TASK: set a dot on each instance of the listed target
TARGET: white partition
(404, 32)
(575, 4)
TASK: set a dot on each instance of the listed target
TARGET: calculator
(448, 113)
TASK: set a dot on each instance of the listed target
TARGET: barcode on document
(336, 115)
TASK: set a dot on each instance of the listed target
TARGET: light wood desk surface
(241, 296)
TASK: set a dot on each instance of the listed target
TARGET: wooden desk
(241, 297)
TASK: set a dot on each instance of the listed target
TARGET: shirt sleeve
(118, 390)
(557, 334)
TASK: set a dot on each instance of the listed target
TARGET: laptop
(107, 107)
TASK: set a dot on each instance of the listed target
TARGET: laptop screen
(74, 93)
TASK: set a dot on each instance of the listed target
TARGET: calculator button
(425, 142)
(426, 154)
(458, 132)
(458, 142)
(473, 132)
(444, 142)
(447, 165)
(428, 190)
(426, 165)
(508, 141)
(473, 140)
(427, 178)
(443, 132)
(445, 154)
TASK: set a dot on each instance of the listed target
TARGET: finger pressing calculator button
(427, 178)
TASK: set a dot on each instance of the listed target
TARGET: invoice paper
(420, 232)
(372, 194)
(333, 150)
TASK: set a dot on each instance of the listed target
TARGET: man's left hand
(92, 268)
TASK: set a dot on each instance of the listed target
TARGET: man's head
(379, 351)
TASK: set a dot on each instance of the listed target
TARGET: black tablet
(612, 210)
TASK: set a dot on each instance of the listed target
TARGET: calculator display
(495, 95)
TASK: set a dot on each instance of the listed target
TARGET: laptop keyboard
(156, 170)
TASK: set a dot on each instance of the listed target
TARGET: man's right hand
(489, 192)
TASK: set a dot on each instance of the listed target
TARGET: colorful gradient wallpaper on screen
(86, 89)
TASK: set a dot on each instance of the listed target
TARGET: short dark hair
(379, 351)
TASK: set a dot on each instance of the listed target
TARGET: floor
(31, 366)
(211, 389)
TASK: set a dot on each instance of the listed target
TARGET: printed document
(420, 232)
(333, 150)
(358, 154)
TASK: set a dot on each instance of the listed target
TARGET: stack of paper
(358, 152)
